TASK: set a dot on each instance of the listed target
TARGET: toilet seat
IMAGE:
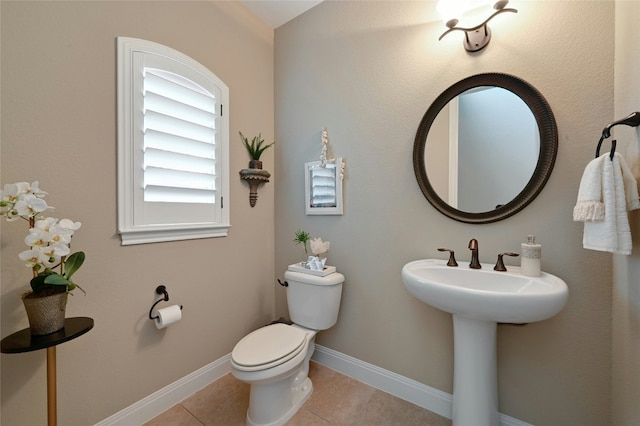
(268, 347)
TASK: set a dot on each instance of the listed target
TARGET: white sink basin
(485, 294)
(478, 300)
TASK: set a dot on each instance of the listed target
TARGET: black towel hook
(613, 148)
(632, 120)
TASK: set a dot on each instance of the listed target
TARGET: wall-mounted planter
(254, 178)
(255, 164)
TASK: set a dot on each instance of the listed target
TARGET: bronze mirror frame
(546, 159)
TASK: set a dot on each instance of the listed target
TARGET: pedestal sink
(478, 300)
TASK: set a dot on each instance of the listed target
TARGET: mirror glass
(471, 159)
(485, 148)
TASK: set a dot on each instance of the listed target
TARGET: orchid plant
(49, 254)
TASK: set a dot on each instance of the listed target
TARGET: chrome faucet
(473, 246)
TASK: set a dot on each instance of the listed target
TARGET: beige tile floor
(336, 400)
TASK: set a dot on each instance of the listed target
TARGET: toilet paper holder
(161, 289)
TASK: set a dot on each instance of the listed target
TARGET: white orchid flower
(35, 189)
(19, 200)
(11, 193)
(16, 191)
(55, 251)
(30, 206)
(37, 238)
(319, 247)
(9, 196)
(45, 224)
(30, 257)
(60, 234)
(39, 255)
(45, 257)
(69, 224)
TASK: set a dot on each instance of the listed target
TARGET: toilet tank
(314, 301)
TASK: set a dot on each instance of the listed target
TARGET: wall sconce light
(476, 38)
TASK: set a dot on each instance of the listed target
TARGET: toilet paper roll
(167, 316)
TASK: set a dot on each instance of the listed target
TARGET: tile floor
(336, 400)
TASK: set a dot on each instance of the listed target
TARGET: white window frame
(141, 222)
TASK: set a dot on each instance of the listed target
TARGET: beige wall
(59, 126)
(626, 290)
(368, 71)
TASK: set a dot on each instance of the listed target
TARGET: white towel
(619, 193)
(590, 206)
(630, 185)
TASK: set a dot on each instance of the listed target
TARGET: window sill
(148, 236)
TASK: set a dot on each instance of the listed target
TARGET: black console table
(22, 341)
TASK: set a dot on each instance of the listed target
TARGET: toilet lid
(268, 346)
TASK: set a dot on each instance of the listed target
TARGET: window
(173, 146)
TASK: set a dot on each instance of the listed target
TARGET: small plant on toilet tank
(319, 250)
(302, 237)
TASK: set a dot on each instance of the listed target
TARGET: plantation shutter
(179, 140)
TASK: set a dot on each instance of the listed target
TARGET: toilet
(274, 359)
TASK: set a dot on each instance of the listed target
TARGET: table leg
(52, 397)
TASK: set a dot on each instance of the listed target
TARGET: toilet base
(299, 395)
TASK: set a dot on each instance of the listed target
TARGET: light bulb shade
(451, 10)
(499, 5)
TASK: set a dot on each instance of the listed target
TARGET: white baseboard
(160, 401)
(402, 387)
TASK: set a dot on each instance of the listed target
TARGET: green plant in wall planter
(255, 148)
(48, 255)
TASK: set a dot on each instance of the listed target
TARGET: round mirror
(485, 148)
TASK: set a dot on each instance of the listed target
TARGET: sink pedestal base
(475, 385)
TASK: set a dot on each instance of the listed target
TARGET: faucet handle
(452, 257)
(500, 264)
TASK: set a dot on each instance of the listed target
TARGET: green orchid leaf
(73, 263)
(56, 279)
(37, 283)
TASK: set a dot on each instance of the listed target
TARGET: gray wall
(59, 126)
(368, 71)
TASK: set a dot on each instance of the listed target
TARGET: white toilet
(274, 359)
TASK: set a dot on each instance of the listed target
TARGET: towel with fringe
(590, 206)
(607, 191)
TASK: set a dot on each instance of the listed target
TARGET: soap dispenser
(530, 257)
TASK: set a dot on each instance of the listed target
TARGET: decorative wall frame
(323, 183)
(323, 187)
